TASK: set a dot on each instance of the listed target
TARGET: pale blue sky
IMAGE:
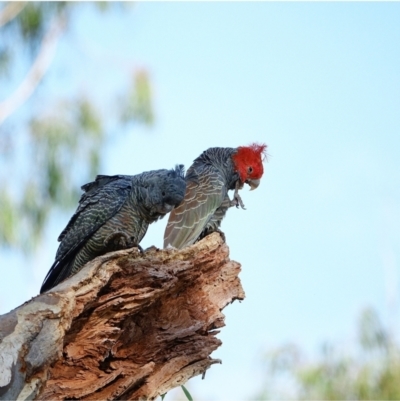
(320, 84)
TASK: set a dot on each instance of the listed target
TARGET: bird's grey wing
(115, 184)
(95, 208)
(103, 180)
(204, 194)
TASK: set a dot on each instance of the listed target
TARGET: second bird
(208, 180)
(114, 213)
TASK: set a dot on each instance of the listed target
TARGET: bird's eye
(163, 193)
(250, 169)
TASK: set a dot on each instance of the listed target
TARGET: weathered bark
(127, 326)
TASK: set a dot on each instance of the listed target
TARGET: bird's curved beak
(168, 207)
(253, 184)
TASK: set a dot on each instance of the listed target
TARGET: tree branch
(127, 326)
(10, 11)
(36, 72)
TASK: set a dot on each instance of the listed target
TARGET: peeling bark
(127, 326)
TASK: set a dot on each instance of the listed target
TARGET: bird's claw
(116, 240)
(119, 240)
(237, 200)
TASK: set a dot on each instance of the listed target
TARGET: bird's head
(248, 161)
(170, 189)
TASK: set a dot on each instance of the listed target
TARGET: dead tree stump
(127, 326)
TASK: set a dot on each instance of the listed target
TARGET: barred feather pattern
(114, 213)
(206, 201)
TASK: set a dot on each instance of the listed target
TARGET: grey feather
(206, 201)
(114, 213)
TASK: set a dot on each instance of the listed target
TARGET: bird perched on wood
(114, 213)
(208, 180)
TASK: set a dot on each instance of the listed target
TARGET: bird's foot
(119, 240)
(237, 200)
(140, 249)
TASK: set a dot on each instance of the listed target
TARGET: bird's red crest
(248, 161)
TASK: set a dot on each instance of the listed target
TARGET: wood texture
(127, 326)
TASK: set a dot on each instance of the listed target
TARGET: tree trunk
(127, 326)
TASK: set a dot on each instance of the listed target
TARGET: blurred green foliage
(26, 23)
(366, 370)
(56, 146)
(137, 106)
